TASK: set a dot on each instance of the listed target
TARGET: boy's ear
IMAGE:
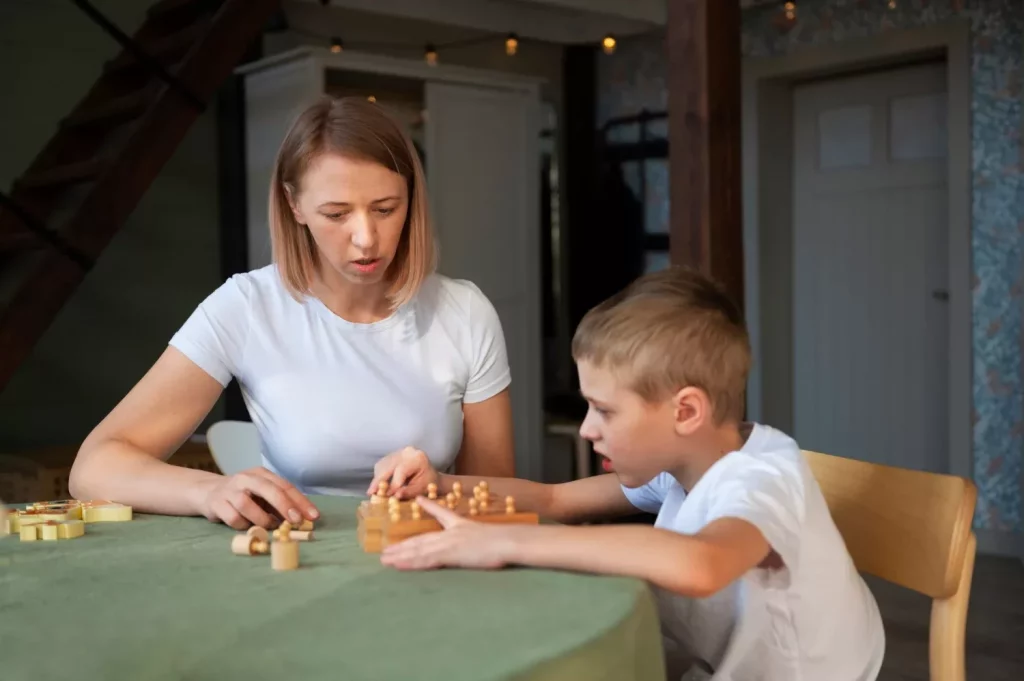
(692, 409)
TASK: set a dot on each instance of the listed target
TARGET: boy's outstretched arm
(691, 565)
(409, 471)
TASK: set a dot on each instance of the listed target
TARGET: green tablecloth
(164, 598)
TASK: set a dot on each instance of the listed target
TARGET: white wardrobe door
(483, 171)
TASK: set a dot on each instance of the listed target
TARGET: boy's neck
(706, 449)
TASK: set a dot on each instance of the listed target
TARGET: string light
(790, 11)
(371, 98)
(431, 54)
(608, 44)
(892, 4)
(336, 45)
(511, 44)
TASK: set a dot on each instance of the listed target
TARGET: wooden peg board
(376, 528)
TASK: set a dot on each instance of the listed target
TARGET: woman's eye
(384, 212)
(334, 216)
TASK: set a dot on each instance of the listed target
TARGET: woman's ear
(692, 409)
(293, 203)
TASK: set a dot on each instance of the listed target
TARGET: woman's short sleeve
(214, 336)
(489, 373)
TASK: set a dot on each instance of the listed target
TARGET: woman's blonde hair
(355, 128)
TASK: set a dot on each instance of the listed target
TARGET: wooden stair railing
(86, 181)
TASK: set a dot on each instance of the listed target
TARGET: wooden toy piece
(52, 530)
(67, 509)
(48, 530)
(71, 529)
(105, 512)
(296, 535)
(449, 500)
(29, 532)
(284, 553)
(432, 491)
(378, 527)
(305, 526)
(256, 540)
(510, 505)
(457, 489)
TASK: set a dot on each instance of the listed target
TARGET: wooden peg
(256, 540)
(450, 500)
(510, 505)
(296, 535)
(415, 508)
(474, 507)
(432, 491)
(457, 489)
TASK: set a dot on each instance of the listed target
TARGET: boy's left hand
(462, 543)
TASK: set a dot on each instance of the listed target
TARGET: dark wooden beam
(706, 226)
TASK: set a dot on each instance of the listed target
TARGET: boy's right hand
(407, 471)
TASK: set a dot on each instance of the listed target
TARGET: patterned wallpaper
(634, 78)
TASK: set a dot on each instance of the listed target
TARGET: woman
(347, 348)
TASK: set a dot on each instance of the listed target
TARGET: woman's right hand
(254, 497)
(407, 472)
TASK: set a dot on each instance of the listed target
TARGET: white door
(483, 170)
(871, 267)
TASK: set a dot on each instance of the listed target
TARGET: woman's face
(355, 210)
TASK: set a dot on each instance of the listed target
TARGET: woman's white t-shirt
(331, 397)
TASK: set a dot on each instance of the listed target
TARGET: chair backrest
(907, 527)
(234, 445)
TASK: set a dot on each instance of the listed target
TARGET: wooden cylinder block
(284, 555)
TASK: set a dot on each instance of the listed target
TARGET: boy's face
(640, 438)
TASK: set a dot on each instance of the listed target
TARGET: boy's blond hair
(667, 331)
(355, 128)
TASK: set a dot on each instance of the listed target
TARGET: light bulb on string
(511, 44)
(371, 99)
(893, 4)
(608, 44)
(431, 54)
(336, 45)
(790, 8)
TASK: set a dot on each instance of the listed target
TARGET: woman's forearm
(117, 471)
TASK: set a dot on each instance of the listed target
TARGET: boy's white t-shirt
(813, 619)
(331, 397)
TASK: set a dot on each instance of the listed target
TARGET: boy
(753, 579)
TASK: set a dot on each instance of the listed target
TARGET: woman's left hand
(407, 472)
(462, 543)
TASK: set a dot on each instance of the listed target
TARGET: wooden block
(105, 512)
(71, 529)
(29, 532)
(48, 531)
(305, 526)
(284, 553)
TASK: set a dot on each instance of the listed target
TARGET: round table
(164, 598)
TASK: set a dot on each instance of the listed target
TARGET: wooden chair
(913, 529)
